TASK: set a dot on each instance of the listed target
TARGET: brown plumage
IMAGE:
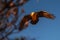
(23, 21)
(34, 18)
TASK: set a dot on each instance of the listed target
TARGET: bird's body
(34, 18)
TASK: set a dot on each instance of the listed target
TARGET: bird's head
(32, 14)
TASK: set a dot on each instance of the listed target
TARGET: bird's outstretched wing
(45, 14)
(24, 22)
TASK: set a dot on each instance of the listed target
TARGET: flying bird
(34, 18)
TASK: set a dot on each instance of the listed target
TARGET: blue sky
(45, 29)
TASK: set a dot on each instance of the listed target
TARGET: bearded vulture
(34, 18)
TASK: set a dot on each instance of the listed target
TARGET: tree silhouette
(8, 8)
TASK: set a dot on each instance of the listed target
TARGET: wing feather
(25, 19)
(45, 14)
